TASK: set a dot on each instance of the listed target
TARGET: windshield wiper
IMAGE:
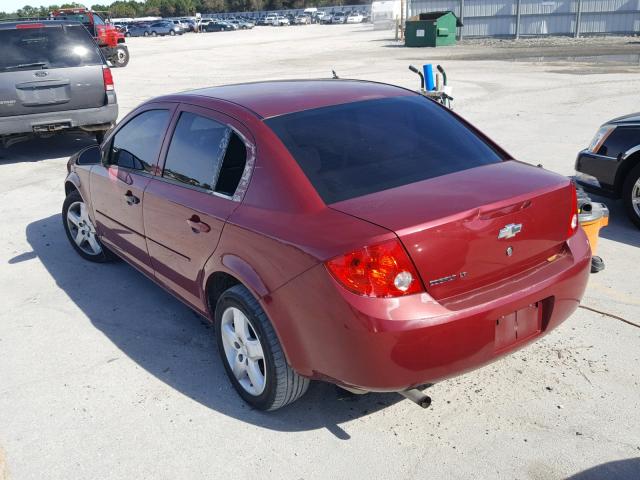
(26, 65)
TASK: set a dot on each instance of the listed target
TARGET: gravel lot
(103, 375)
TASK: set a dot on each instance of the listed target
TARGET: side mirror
(89, 156)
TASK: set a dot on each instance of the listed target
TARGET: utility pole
(461, 18)
(578, 18)
(518, 19)
(402, 19)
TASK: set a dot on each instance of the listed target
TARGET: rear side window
(355, 149)
(48, 47)
(205, 154)
(137, 144)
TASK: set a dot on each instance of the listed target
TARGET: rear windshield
(48, 47)
(358, 148)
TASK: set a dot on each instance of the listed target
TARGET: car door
(129, 161)
(186, 206)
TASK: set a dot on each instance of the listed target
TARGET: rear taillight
(573, 214)
(382, 270)
(108, 79)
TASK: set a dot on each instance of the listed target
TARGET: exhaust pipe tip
(417, 397)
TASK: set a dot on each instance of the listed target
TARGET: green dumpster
(433, 29)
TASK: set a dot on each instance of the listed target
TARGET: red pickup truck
(110, 40)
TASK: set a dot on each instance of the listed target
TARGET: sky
(13, 5)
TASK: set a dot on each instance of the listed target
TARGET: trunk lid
(451, 225)
(49, 69)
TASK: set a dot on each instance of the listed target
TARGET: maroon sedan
(345, 231)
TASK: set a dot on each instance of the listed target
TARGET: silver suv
(53, 78)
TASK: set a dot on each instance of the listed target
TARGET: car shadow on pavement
(620, 228)
(39, 148)
(172, 342)
(628, 469)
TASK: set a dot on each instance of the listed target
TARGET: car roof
(274, 98)
(44, 23)
(631, 118)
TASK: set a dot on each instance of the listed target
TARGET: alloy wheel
(635, 197)
(243, 351)
(82, 230)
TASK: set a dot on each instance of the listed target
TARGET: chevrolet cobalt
(345, 231)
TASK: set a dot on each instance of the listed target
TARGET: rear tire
(172, 33)
(259, 355)
(631, 195)
(146, 34)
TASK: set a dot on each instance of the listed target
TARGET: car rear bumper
(88, 118)
(373, 344)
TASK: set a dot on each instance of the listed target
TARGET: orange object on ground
(593, 217)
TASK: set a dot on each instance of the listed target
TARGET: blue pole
(429, 83)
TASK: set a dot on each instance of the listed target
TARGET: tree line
(170, 8)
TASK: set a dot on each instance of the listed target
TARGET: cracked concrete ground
(104, 375)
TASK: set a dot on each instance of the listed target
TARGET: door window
(136, 145)
(205, 154)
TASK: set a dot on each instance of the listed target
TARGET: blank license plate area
(517, 326)
(44, 95)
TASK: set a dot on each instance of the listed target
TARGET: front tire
(251, 353)
(172, 33)
(80, 230)
(631, 195)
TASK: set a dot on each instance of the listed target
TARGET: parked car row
(154, 29)
(183, 25)
(223, 23)
(300, 18)
(217, 25)
(315, 17)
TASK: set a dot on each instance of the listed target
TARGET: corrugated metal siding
(613, 23)
(489, 18)
(484, 8)
(423, 6)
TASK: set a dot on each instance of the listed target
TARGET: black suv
(611, 163)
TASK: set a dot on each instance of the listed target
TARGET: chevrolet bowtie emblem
(510, 231)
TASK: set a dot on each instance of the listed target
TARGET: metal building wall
(495, 18)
